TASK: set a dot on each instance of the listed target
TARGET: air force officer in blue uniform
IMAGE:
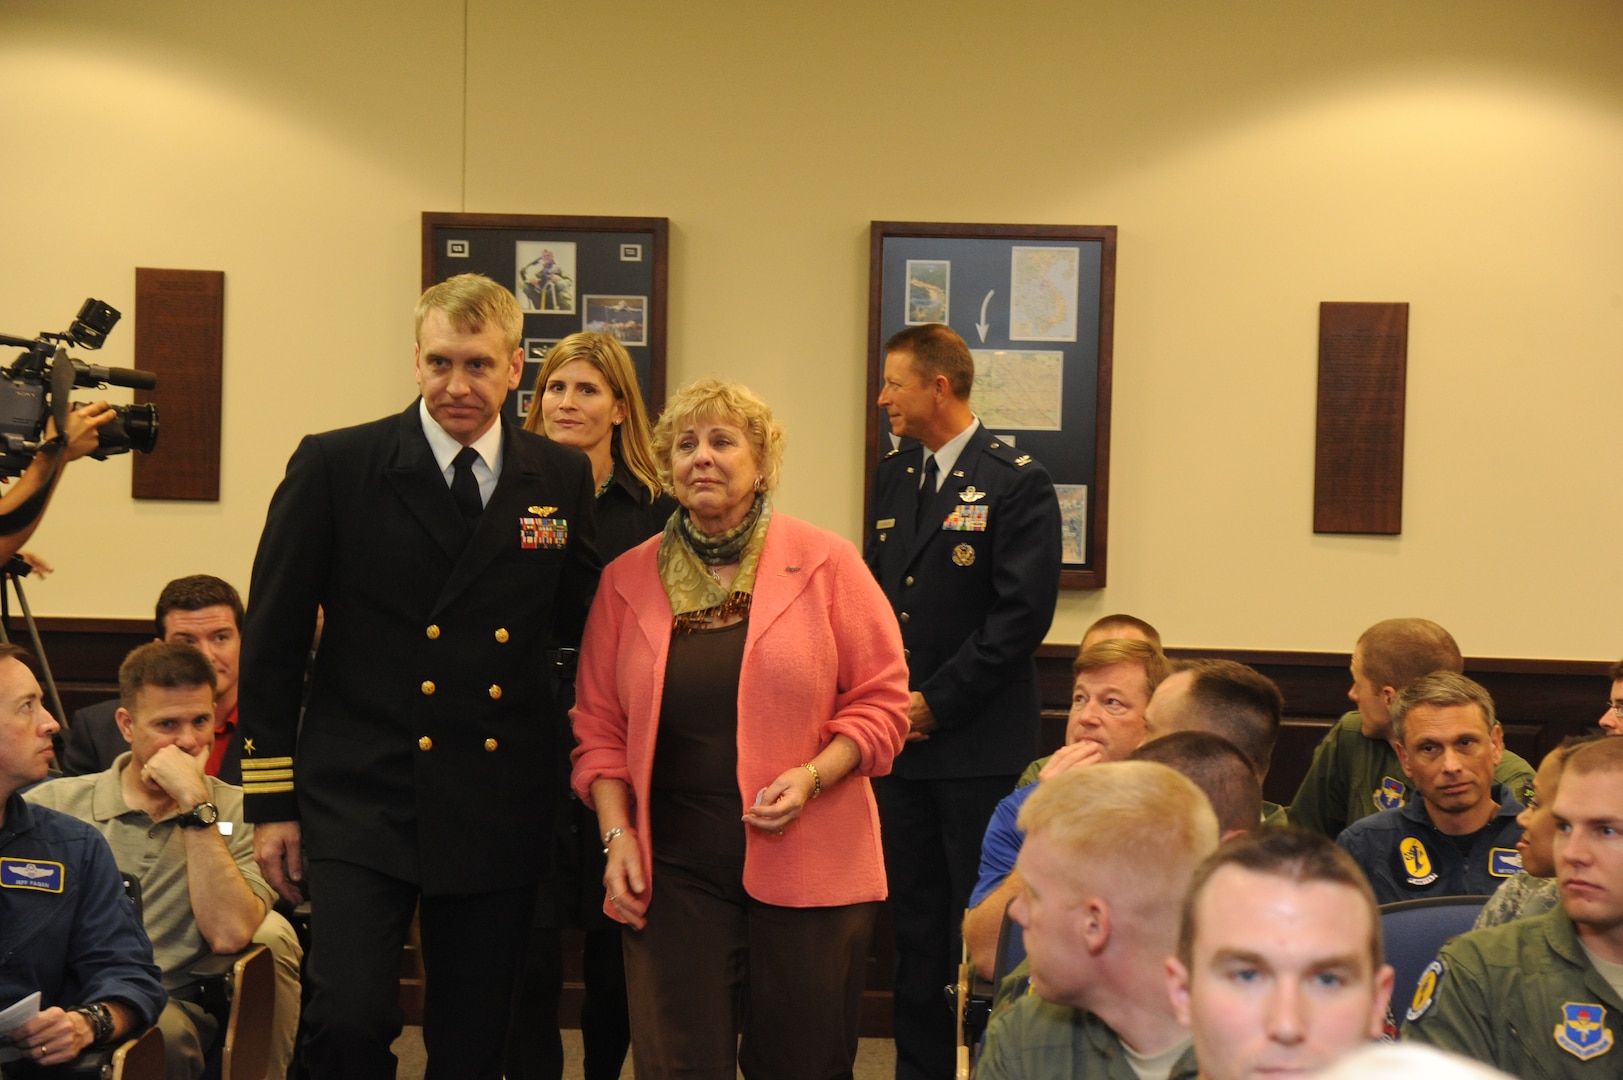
(964, 537)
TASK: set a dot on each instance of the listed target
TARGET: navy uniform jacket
(67, 927)
(1405, 857)
(426, 748)
(974, 592)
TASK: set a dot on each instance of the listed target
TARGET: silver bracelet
(608, 837)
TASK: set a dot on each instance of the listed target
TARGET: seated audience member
(1541, 997)
(1119, 627)
(68, 930)
(1458, 838)
(1611, 721)
(181, 834)
(1108, 855)
(1279, 967)
(1534, 890)
(1218, 768)
(1228, 699)
(1355, 771)
(199, 610)
(1114, 681)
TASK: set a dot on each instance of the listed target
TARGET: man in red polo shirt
(200, 610)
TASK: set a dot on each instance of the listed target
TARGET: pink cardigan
(822, 657)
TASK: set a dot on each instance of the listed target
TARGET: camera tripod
(13, 573)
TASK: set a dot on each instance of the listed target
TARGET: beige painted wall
(1258, 158)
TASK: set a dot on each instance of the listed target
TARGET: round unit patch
(1425, 991)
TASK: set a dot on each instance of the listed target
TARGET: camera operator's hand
(36, 563)
(83, 424)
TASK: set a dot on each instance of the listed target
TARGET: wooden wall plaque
(179, 336)
(1358, 457)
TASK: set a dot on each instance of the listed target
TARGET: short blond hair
(1138, 822)
(469, 302)
(734, 403)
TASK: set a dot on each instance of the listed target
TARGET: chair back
(141, 1058)
(1415, 930)
(247, 1045)
(1011, 949)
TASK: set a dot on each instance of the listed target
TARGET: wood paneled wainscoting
(1540, 702)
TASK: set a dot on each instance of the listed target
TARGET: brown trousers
(718, 981)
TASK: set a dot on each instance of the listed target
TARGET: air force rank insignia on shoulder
(1425, 990)
(1583, 1032)
(1389, 796)
(1417, 866)
(34, 874)
(543, 532)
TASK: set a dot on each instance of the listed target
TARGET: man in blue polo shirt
(1458, 838)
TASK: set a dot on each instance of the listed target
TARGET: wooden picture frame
(1036, 303)
(554, 263)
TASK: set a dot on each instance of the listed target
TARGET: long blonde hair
(630, 441)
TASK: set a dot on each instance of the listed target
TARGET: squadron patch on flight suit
(1504, 862)
(1425, 991)
(543, 532)
(1416, 862)
(1583, 1032)
(36, 874)
(1390, 795)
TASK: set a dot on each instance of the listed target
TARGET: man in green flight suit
(1109, 851)
(1355, 770)
(1543, 996)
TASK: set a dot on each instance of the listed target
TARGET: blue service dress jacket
(974, 591)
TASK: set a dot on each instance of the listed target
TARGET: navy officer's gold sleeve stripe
(257, 764)
(267, 776)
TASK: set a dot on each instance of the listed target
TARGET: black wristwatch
(201, 816)
(101, 1021)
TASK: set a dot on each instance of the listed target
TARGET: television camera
(37, 384)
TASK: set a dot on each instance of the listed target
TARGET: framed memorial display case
(1036, 303)
(606, 274)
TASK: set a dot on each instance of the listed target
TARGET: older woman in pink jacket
(740, 680)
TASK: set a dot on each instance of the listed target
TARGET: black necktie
(926, 494)
(464, 488)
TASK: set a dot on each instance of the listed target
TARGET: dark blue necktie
(921, 514)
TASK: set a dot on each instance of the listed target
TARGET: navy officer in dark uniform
(964, 537)
(447, 550)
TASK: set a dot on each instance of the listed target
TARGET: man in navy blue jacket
(67, 928)
(964, 537)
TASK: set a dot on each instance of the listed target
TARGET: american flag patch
(543, 532)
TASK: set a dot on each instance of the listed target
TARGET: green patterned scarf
(684, 561)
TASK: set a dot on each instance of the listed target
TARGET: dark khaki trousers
(717, 978)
